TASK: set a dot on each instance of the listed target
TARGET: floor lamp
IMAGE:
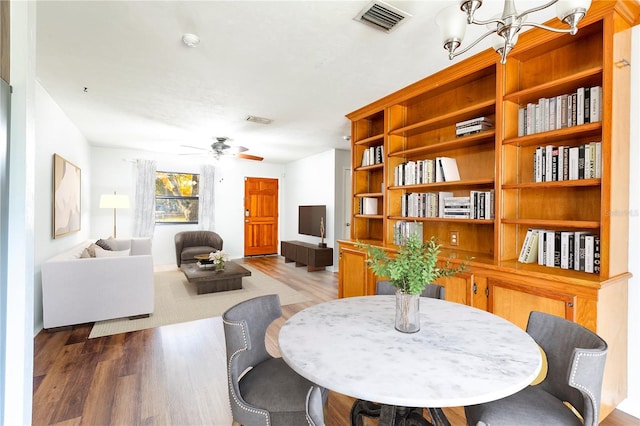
(114, 201)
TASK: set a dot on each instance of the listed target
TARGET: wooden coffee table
(212, 280)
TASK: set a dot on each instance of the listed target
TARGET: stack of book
(577, 250)
(474, 125)
(581, 107)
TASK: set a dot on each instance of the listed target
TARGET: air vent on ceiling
(260, 120)
(382, 16)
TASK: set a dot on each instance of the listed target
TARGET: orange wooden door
(260, 216)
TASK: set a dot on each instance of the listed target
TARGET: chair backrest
(186, 239)
(245, 327)
(434, 291)
(576, 358)
(315, 403)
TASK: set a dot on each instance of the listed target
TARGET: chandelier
(504, 29)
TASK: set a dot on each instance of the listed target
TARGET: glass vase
(220, 266)
(407, 312)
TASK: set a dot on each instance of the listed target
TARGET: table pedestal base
(391, 415)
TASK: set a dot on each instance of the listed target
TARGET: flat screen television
(309, 219)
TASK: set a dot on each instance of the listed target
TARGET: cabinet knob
(475, 288)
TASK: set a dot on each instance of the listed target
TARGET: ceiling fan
(220, 148)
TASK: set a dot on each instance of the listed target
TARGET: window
(177, 197)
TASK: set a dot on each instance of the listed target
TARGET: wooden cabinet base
(314, 257)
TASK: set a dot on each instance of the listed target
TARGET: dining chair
(575, 361)
(315, 405)
(263, 390)
(435, 291)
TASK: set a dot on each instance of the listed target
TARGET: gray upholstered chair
(575, 359)
(262, 390)
(315, 403)
(191, 243)
(435, 291)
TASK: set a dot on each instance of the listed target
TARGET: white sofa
(79, 290)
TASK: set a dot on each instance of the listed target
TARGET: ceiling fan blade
(249, 157)
(195, 147)
(237, 149)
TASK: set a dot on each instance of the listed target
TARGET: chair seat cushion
(274, 386)
(530, 406)
(189, 253)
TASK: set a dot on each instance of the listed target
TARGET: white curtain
(206, 212)
(145, 199)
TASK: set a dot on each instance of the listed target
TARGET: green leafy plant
(414, 265)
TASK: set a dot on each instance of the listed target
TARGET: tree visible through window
(177, 197)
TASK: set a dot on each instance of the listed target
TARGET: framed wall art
(66, 197)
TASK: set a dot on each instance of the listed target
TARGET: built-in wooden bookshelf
(419, 122)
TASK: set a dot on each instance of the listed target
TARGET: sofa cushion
(111, 253)
(189, 253)
(105, 244)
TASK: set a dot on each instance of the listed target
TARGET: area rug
(176, 301)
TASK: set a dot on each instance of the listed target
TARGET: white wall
(316, 180)
(55, 134)
(632, 404)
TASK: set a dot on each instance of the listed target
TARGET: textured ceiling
(303, 64)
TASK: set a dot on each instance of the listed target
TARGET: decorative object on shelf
(413, 267)
(322, 244)
(66, 197)
(114, 201)
(506, 28)
(218, 258)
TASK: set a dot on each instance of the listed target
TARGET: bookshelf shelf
(369, 168)
(583, 131)
(372, 140)
(485, 108)
(575, 183)
(588, 77)
(448, 145)
(470, 183)
(370, 195)
(553, 224)
(444, 219)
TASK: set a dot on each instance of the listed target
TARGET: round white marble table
(461, 355)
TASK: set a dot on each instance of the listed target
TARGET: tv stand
(306, 254)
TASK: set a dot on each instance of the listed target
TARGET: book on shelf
(474, 121)
(476, 128)
(372, 155)
(448, 168)
(529, 251)
(369, 205)
(552, 163)
(583, 106)
(402, 230)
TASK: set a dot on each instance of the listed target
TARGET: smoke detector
(381, 16)
(191, 40)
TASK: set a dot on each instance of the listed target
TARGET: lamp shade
(567, 7)
(453, 23)
(114, 201)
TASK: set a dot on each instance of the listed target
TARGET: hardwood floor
(171, 375)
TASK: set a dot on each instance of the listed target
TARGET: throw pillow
(85, 254)
(92, 250)
(111, 253)
(104, 244)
